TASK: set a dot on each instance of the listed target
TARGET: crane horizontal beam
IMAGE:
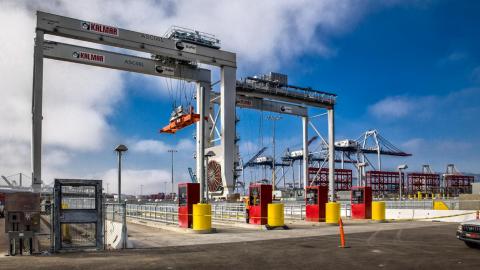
(113, 36)
(261, 104)
(101, 58)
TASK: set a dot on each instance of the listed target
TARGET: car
(469, 232)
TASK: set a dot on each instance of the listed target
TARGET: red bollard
(478, 214)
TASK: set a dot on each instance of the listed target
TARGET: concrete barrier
(430, 215)
(113, 235)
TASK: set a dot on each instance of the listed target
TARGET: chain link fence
(45, 236)
(115, 222)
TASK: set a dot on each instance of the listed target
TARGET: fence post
(124, 223)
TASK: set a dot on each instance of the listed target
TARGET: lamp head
(210, 154)
(121, 148)
(402, 167)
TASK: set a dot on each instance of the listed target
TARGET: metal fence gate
(77, 216)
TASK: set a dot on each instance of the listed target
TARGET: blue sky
(410, 69)
(406, 53)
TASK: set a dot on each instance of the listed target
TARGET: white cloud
(160, 148)
(392, 107)
(476, 75)
(55, 157)
(153, 181)
(259, 31)
(413, 144)
(14, 157)
(438, 152)
(453, 57)
(464, 101)
(77, 99)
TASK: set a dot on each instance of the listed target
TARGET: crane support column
(305, 153)
(227, 102)
(37, 112)
(203, 101)
(331, 155)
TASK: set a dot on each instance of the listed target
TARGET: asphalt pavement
(431, 247)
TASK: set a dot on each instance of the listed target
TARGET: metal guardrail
(409, 204)
(452, 204)
(168, 213)
(228, 212)
(235, 212)
(165, 213)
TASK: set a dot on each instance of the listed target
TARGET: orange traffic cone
(342, 234)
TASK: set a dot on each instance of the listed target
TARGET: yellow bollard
(202, 217)
(419, 196)
(378, 211)
(332, 213)
(275, 215)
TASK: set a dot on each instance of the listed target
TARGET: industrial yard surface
(413, 245)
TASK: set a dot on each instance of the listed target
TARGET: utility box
(315, 203)
(22, 220)
(260, 195)
(476, 188)
(188, 195)
(361, 202)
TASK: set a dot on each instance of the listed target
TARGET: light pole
(172, 151)
(204, 186)
(141, 191)
(401, 168)
(274, 175)
(120, 149)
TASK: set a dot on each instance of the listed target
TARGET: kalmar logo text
(89, 57)
(100, 28)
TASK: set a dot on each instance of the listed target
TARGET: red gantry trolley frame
(457, 183)
(423, 182)
(319, 177)
(383, 182)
